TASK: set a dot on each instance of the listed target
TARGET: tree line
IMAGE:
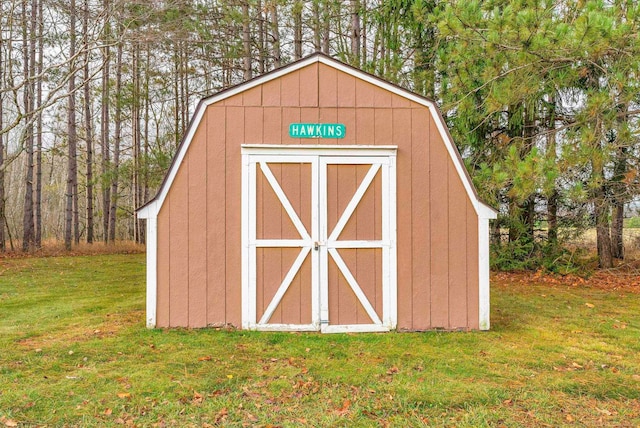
(541, 97)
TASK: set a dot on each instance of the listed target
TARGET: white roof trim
(152, 209)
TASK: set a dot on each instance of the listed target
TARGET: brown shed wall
(199, 251)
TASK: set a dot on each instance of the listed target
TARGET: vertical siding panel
(327, 86)
(260, 234)
(272, 126)
(309, 86)
(252, 97)
(305, 217)
(401, 102)
(346, 90)
(234, 137)
(457, 251)
(421, 268)
(347, 116)
(383, 129)
(365, 93)
(197, 212)
(290, 115)
(234, 101)
(216, 216)
(179, 250)
(347, 302)
(271, 93)
(253, 125)
(365, 258)
(272, 219)
(333, 277)
(472, 268)
(290, 90)
(365, 132)
(439, 210)
(329, 115)
(290, 183)
(290, 303)
(401, 120)
(309, 115)
(164, 263)
(382, 98)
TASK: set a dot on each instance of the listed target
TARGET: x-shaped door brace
(295, 267)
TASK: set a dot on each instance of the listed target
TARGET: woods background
(542, 98)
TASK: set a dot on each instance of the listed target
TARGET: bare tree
(28, 46)
(275, 34)
(105, 123)
(88, 121)
(2, 148)
(39, 129)
(116, 149)
(297, 29)
(246, 40)
(355, 32)
(71, 231)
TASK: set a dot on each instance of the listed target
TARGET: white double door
(318, 238)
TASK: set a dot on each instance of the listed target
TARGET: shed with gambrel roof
(318, 197)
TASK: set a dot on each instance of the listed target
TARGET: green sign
(317, 130)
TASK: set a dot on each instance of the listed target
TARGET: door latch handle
(316, 245)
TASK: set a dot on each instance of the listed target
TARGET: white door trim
(381, 158)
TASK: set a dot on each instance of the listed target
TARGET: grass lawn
(74, 352)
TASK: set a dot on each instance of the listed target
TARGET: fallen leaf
(569, 418)
(10, 423)
(393, 370)
(124, 394)
(229, 376)
(576, 365)
(589, 305)
(604, 411)
(222, 414)
(108, 412)
(636, 377)
(207, 358)
(345, 407)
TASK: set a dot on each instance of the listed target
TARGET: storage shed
(317, 197)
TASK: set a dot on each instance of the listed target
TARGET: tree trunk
(552, 218)
(355, 32)
(619, 187)
(2, 146)
(71, 197)
(552, 200)
(104, 127)
(317, 32)
(297, 29)
(28, 40)
(617, 228)
(246, 40)
(135, 131)
(262, 56)
(116, 149)
(603, 238)
(326, 19)
(39, 69)
(275, 35)
(88, 123)
(363, 35)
